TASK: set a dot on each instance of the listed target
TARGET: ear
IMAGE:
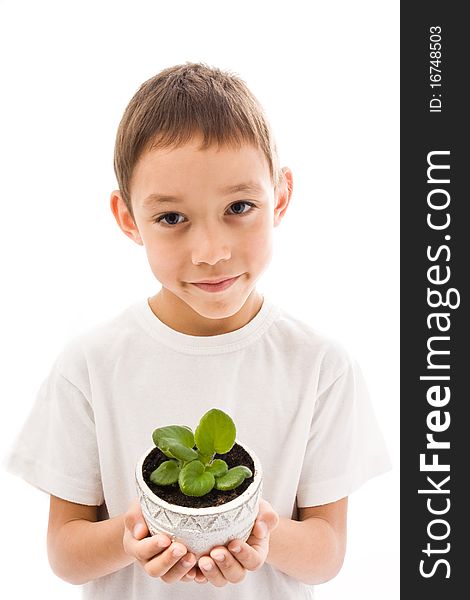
(283, 195)
(124, 218)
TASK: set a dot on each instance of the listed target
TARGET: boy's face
(205, 215)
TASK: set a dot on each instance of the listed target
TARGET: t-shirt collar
(213, 344)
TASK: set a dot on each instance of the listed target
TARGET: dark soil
(173, 494)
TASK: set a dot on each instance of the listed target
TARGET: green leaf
(176, 450)
(233, 478)
(217, 468)
(205, 458)
(194, 480)
(170, 439)
(166, 473)
(215, 433)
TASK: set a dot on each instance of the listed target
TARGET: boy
(201, 189)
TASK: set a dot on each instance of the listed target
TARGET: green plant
(192, 462)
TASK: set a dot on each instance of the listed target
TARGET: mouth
(216, 285)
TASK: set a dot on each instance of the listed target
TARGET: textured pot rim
(207, 510)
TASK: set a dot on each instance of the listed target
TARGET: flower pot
(200, 529)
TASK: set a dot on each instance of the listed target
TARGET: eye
(238, 207)
(172, 218)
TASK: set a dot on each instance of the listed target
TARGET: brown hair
(181, 101)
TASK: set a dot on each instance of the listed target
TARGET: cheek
(258, 245)
(162, 258)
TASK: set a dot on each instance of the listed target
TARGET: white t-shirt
(297, 400)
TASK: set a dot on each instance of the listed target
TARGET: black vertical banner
(435, 270)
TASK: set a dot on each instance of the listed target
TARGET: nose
(210, 247)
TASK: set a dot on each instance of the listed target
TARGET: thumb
(268, 516)
(271, 519)
(134, 521)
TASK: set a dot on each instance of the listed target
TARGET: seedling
(192, 462)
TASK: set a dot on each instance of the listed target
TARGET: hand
(229, 564)
(156, 553)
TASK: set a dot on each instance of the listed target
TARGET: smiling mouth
(217, 286)
(218, 280)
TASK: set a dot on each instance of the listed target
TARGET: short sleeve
(56, 450)
(345, 446)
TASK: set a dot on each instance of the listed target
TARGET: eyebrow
(248, 187)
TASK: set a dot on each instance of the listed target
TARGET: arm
(310, 550)
(313, 548)
(79, 547)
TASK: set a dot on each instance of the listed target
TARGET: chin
(217, 311)
(222, 308)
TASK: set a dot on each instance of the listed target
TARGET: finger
(181, 570)
(260, 530)
(144, 550)
(268, 516)
(250, 556)
(230, 568)
(259, 544)
(190, 575)
(159, 565)
(199, 577)
(265, 508)
(264, 526)
(211, 571)
(134, 521)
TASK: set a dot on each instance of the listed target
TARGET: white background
(327, 75)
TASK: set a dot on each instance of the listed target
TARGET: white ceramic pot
(200, 529)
